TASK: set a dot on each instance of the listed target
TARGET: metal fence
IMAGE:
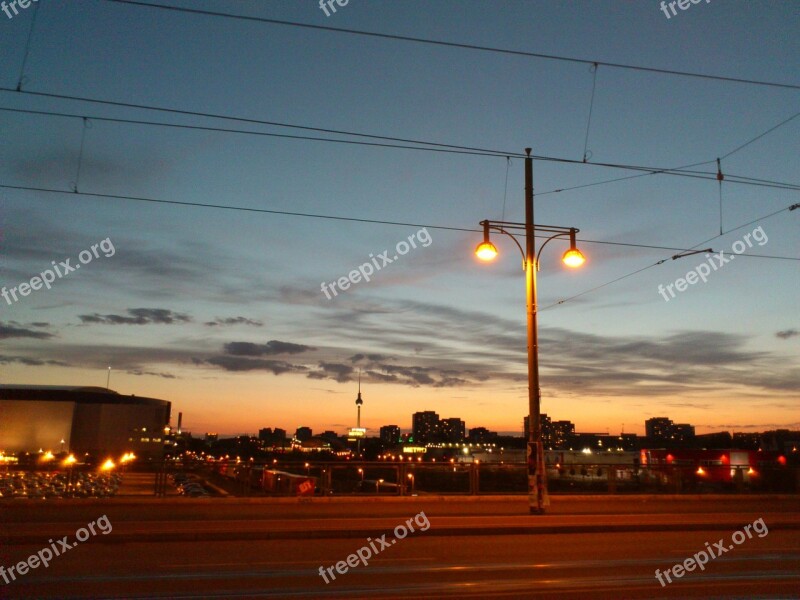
(288, 478)
(417, 478)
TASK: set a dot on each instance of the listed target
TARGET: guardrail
(247, 478)
(418, 478)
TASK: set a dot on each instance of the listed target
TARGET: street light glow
(573, 258)
(486, 251)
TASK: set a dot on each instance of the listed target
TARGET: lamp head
(486, 250)
(573, 257)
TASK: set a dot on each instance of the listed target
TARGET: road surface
(612, 554)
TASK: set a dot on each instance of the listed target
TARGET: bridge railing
(472, 478)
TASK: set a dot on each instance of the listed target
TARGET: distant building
(273, 437)
(425, 426)
(329, 435)
(603, 442)
(682, 432)
(709, 441)
(81, 420)
(658, 428)
(481, 435)
(390, 434)
(662, 429)
(303, 434)
(592, 441)
(562, 431)
(747, 441)
(781, 440)
(452, 430)
(555, 434)
(210, 437)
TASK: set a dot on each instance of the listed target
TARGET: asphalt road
(547, 566)
(480, 554)
(201, 509)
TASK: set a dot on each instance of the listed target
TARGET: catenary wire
(437, 147)
(637, 271)
(333, 217)
(758, 137)
(403, 38)
(708, 162)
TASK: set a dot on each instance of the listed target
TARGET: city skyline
(683, 429)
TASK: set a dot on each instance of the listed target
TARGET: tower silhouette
(359, 402)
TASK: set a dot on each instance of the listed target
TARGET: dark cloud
(271, 348)
(760, 426)
(336, 371)
(696, 405)
(138, 316)
(15, 330)
(32, 362)
(152, 373)
(234, 321)
(371, 357)
(788, 333)
(378, 376)
(239, 364)
(142, 359)
(414, 376)
(415, 343)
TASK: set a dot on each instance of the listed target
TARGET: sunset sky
(221, 311)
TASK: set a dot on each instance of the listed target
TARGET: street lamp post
(537, 479)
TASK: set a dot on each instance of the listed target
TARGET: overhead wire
(419, 144)
(594, 63)
(480, 151)
(761, 135)
(434, 146)
(418, 40)
(323, 216)
(655, 264)
(708, 162)
(586, 153)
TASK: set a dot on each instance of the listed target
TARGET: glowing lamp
(573, 257)
(486, 251)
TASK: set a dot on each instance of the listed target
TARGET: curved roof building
(81, 420)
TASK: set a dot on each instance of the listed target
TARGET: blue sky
(434, 330)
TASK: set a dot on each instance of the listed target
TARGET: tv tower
(359, 402)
